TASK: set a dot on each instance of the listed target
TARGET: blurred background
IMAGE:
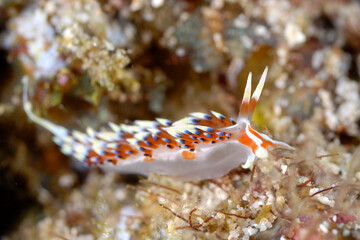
(95, 61)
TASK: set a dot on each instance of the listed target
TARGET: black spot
(207, 117)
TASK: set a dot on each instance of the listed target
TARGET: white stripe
(257, 140)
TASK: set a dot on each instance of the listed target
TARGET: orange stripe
(246, 140)
(188, 155)
(244, 108)
(264, 143)
(253, 103)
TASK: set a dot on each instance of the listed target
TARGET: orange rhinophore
(201, 146)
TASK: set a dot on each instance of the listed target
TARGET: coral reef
(91, 62)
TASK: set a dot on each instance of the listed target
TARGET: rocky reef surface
(91, 62)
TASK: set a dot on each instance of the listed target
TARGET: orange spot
(214, 122)
(92, 154)
(164, 134)
(213, 136)
(206, 139)
(227, 122)
(127, 135)
(147, 151)
(149, 159)
(172, 146)
(109, 153)
(142, 144)
(188, 155)
(126, 147)
(101, 160)
(187, 137)
(112, 160)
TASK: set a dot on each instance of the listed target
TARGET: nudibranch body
(201, 146)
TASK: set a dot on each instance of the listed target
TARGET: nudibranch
(201, 146)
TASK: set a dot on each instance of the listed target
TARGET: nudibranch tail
(53, 128)
(62, 136)
(248, 103)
